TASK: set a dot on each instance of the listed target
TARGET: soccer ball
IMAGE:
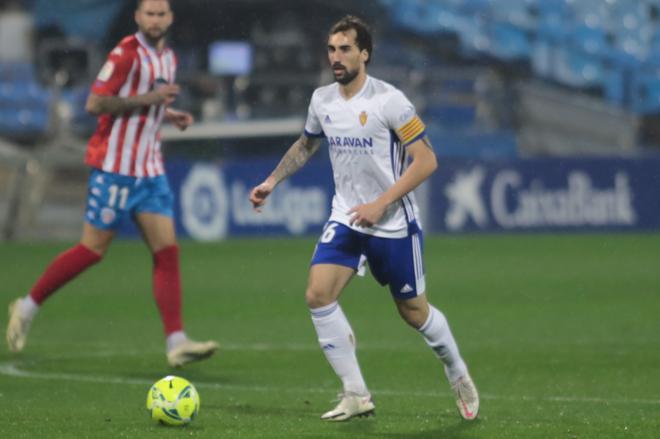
(173, 401)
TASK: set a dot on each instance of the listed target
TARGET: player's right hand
(259, 194)
(165, 94)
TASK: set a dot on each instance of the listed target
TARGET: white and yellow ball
(173, 401)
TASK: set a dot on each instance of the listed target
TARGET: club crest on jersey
(407, 114)
(363, 118)
(106, 71)
(107, 215)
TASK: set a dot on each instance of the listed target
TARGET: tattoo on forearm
(116, 105)
(296, 157)
(112, 105)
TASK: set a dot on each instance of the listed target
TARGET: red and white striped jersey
(130, 144)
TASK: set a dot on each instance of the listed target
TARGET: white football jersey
(367, 137)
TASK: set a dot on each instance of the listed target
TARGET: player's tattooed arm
(115, 105)
(296, 157)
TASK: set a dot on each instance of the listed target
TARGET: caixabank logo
(482, 198)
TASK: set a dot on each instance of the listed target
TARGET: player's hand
(260, 193)
(366, 215)
(180, 119)
(165, 94)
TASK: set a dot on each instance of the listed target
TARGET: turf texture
(561, 334)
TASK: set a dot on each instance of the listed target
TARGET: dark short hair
(363, 33)
(139, 3)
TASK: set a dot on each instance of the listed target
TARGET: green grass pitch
(561, 333)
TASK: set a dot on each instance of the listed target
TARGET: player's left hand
(180, 119)
(366, 215)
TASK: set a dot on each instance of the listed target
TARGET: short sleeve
(313, 126)
(400, 116)
(114, 72)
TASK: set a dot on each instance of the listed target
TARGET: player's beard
(348, 75)
(155, 35)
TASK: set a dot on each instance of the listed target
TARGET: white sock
(437, 334)
(175, 339)
(28, 307)
(338, 343)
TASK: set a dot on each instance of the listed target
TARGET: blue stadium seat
(509, 41)
(576, 59)
(473, 35)
(589, 12)
(588, 44)
(552, 17)
(653, 52)
(24, 103)
(592, 40)
(646, 91)
(521, 13)
(472, 7)
(418, 16)
(18, 71)
(577, 69)
(23, 123)
(542, 59)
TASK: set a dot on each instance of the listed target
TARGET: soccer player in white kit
(379, 153)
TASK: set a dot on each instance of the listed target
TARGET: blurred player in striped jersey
(131, 97)
(379, 153)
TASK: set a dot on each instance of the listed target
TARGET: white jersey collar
(356, 95)
(143, 41)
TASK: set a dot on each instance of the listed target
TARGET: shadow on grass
(367, 429)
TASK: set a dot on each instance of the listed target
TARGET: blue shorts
(396, 262)
(113, 197)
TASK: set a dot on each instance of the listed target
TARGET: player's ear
(364, 55)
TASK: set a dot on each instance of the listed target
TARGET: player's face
(346, 58)
(154, 18)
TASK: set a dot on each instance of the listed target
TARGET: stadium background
(542, 220)
(543, 113)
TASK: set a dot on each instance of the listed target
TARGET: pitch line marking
(312, 346)
(12, 370)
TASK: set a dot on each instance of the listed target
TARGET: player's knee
(413, 316)
(414, 319)
(316, 298)
(96, 244)
(98, 250)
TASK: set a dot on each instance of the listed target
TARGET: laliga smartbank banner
(546, 195)
(212, 199)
